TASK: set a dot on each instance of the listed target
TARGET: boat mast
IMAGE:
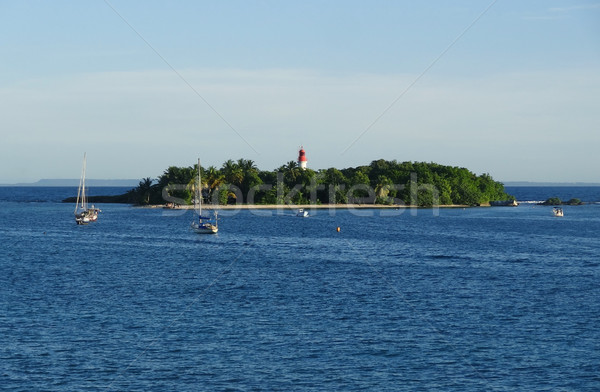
(199, 192)
(83, 198)
(81, 195)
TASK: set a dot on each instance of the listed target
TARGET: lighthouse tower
(302, 158)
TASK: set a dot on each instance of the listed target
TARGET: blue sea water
(469, 299)
(590, 194)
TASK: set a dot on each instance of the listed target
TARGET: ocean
(534, 194)
(496, 298)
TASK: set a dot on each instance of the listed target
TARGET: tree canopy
(381, 182)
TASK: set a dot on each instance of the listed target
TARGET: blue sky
(144, 85)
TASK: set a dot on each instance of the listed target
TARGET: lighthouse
(302, 158)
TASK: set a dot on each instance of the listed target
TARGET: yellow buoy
(338, 229)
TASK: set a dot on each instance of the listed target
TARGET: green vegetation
(553, 201)
(381, 182)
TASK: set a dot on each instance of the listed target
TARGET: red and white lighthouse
(302, 158)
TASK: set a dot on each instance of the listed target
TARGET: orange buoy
(338, 229)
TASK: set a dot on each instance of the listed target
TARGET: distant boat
(302, 213)
(204, 225)
(83, 214)
(557, 211)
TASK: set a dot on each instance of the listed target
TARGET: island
(555, 201)
(381, 183)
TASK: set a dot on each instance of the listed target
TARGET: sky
(509, 88)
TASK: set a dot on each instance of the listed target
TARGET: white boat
(557, 211)
(204, 225)
(83, 214)
(302, 213)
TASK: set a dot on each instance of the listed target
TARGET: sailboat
(204, 225)
(83, 214)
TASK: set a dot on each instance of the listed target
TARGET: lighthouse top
(302, 158)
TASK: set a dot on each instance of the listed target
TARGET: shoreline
(303, 206)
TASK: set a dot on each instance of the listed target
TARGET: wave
(542, 201)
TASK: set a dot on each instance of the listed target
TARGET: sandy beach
(304, 206)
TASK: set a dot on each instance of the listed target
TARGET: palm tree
(143, 190)
(247, 165)
(291, 173)
(214, 179)
(232, 172)
(250, 176)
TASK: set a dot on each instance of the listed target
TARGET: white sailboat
(83, 214)
(204, 225)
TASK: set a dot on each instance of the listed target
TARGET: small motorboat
(557, 211)
(302, 213)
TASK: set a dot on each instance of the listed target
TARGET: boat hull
(206, 228)
(87, 216)
(302, 213)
